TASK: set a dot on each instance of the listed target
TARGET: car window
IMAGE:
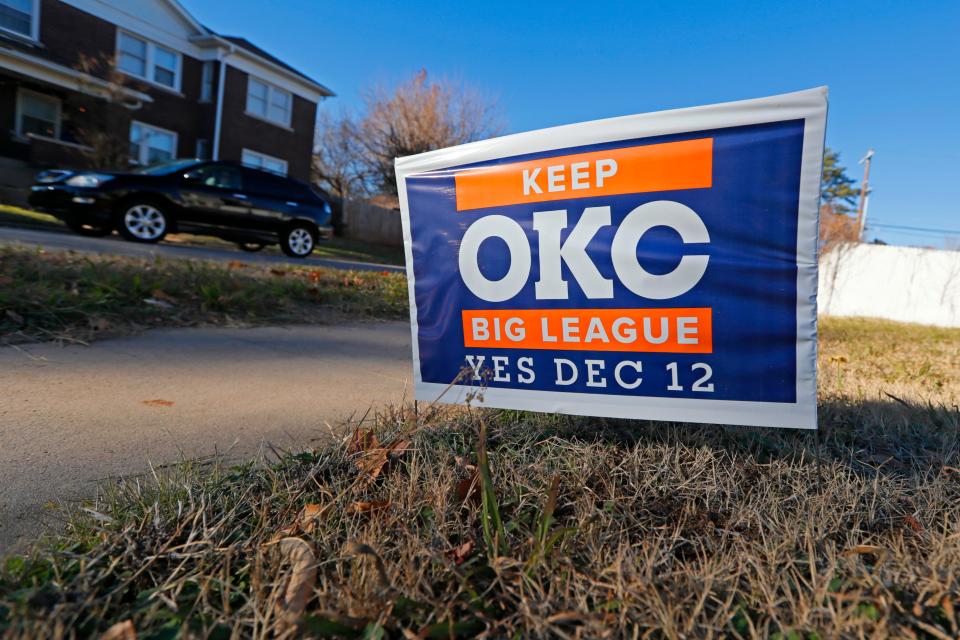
(214, 175)
(269, 185)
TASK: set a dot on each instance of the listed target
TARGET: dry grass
(78, 297)
(576, 527)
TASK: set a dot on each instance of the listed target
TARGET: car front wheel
(297, 241)
(143, 222)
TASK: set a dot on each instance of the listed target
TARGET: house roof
(257, 51)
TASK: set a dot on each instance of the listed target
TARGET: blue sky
(893, 69)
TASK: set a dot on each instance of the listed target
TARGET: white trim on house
(34, 25)
(130, 16)
(150, 61)
(197, 42)
(247, 62)
(61, 76)
(144, 148)
(262, 160)
(58, 122)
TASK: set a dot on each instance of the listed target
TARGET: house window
(148, 60)
(268, 102)
(20, 17)
(38, 114)
(206, 82)
(262, 161)
(150, 145)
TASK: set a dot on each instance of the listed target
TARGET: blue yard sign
(659, 266)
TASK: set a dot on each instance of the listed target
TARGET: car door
(213, 195)
(271, 202)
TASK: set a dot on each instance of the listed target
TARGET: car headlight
(88, 180)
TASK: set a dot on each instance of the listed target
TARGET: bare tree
(106, 118)
(836, 229)
(419, 115)
(338, 164)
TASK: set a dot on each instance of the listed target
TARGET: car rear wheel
(298, 240)
(143, 222)
(92, 230)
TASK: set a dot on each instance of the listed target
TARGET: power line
(909, 228)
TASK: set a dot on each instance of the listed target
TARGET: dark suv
(250, 207)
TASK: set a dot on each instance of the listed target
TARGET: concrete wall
(896, 283)
(370, 223)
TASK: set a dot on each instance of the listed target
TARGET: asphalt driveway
(64, 240)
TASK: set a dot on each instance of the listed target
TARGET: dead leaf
(278, 272)
(461, 553)
(236, 264)
(862, 549)
(913, 524)
(838, 359)
(99, 324)
(367, 507)
(162, 295)
(358, 548)
(469, 488)
(13, 315)
(371, 457)
(362, 440)
(302, 557)
(158, 403)
(120, 631)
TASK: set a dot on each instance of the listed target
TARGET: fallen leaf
(236, 264)
(838, 359)
(358, 548)
(302, 557)
(99, 324)
(362, 440)
(159, 294)
(461, 553)
(278, 272)
(158, 403)
(913, 524)
(861, 549)
(120, 631)
(367, 507)
(469, 488)
(13, 315)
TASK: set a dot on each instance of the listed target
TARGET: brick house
(148, 77)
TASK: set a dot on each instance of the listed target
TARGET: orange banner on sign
(654, 167)
(687, 330)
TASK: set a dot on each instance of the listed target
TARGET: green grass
(18, 216)
(77, 297)
(452, 523)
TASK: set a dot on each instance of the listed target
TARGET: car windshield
(166, 168)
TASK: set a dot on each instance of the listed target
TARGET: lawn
(456, 523)
(74, 297)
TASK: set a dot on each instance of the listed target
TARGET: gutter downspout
(222, 73)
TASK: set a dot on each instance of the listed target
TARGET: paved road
(55, 239)
(72, 415)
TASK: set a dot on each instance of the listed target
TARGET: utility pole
(864, 194)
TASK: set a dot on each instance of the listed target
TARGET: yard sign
(658, 266)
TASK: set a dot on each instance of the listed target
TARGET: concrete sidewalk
(72, 415)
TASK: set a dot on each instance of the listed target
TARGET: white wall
(896, 283)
